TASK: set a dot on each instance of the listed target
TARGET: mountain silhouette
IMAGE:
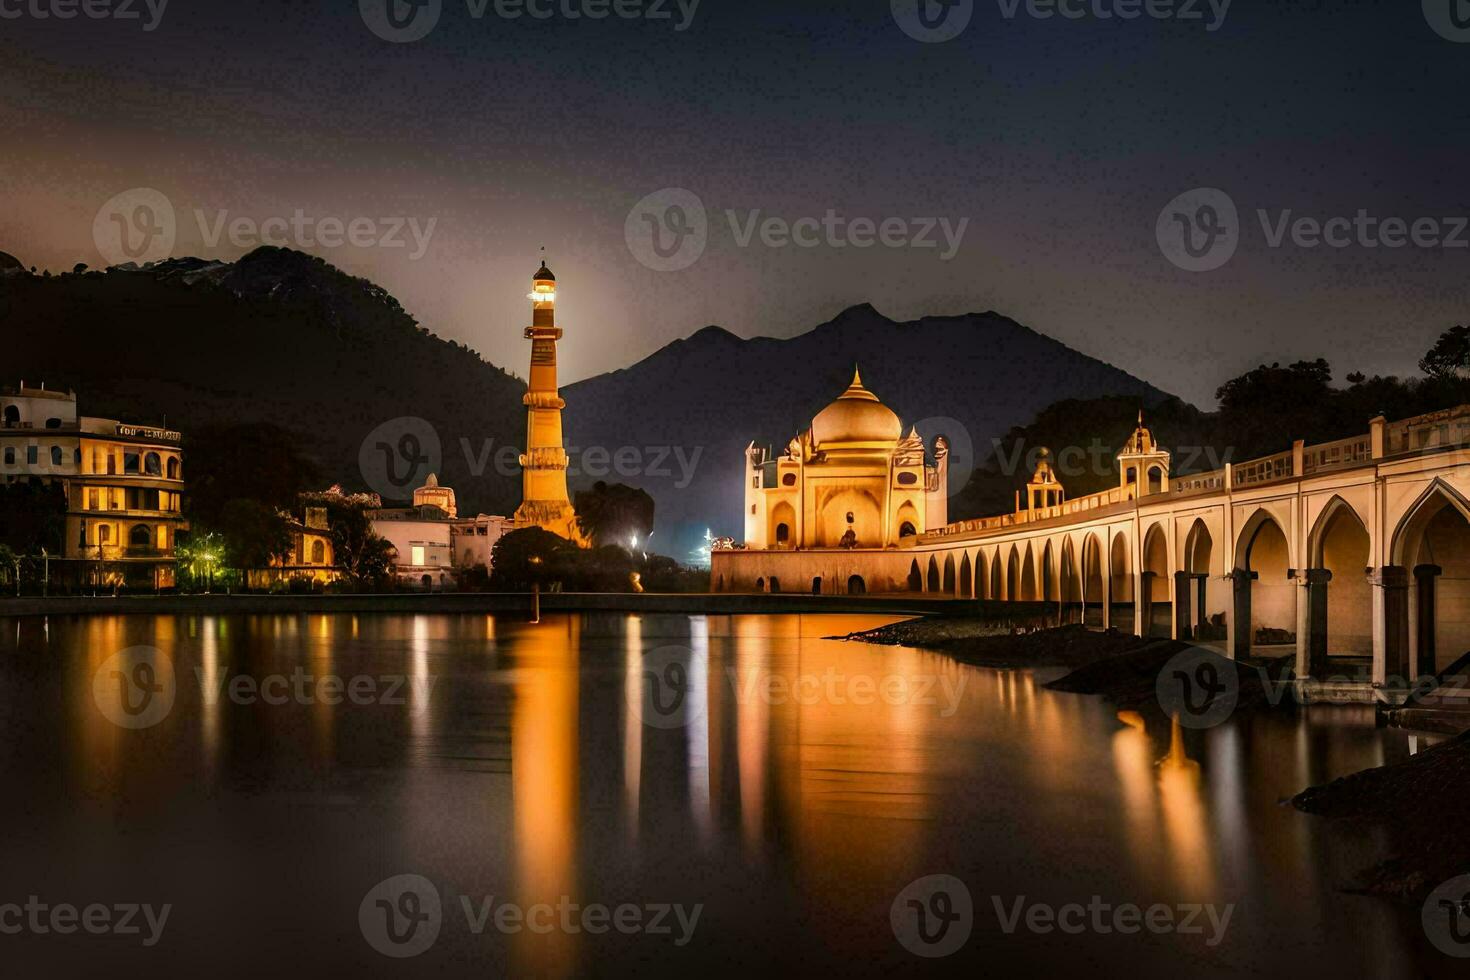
(703, 399)
(283, 337)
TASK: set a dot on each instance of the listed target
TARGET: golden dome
(856, 417)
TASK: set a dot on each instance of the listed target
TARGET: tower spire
(544, 499)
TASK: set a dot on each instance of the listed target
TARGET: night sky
(1059, 140)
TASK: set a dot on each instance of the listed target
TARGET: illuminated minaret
(544, 500)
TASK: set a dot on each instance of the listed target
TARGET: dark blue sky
(1058, 141)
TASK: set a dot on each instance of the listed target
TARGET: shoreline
(519, 603)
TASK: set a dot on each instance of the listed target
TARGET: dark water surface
(803, 785)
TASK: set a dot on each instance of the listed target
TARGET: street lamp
(536, 589)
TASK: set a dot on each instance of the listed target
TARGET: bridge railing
(1450, 427)
(1092, 501)
(1199, 482)
(1267, 469)
(1342, 454)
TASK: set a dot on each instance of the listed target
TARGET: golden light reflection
(544, 780)
(1186, 824)
(632, 723)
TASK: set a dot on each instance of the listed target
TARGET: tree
(1450, 355)
(614, 513)
(531, 556)
(33, 516)
(254, 461)
(254, 534)
(365, 558)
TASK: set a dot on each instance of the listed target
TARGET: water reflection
(813, 780)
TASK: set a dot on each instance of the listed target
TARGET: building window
(162, 537)
(9, 455)
(82, 534)
(906, 530)
(76, 457)
(173, 467)
(12, 415)
(32, 455)
(55, 455)
(318, 553)
(104, 534)
(92, 499)
(788, 479)
(849, 517)
(418, 555)
(908, 479)
(140, 536)
(153, 465)
(130, 462)
(53, 423)
(783, 533)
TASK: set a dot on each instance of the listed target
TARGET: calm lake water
(789, 799)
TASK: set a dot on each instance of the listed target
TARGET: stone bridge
(1353, 556)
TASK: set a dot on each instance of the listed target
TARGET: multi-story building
(311, 562)
(123, 483)
(433, 543)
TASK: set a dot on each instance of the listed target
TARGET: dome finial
(857, 377)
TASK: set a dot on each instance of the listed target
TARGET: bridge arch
(1013, 576)
(1120, 578)
(1339, 544)
(1093, 581)
(1028, 576)
(1266, 613)
(1070, 591)
(916, 577)
(967, 577)
(997, 577)
(1155, 605)
(1196, 594)
(933, 583)
(1431, 550)
(1048, 591)
(948, 586)
(982, 575)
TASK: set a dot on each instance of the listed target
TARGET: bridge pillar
(1143, 604)
(1183, 616)
(1314, 664)
(1395, 582)
(1424, 649)
(1239, 632)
